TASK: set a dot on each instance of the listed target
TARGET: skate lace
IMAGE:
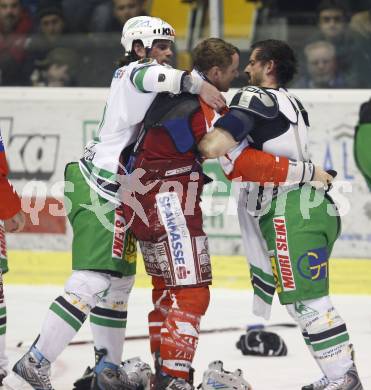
(44, 375)
(335, 385)
(180, 385)
(321, 383)
(123, 377)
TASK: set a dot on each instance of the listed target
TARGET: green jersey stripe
(98, 172)
(139, 77)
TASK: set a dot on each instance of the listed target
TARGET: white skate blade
(15, 382)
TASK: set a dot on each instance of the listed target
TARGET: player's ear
(213, 73)
(270, 66)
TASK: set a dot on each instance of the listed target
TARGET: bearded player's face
(255, 70)
(162, 51)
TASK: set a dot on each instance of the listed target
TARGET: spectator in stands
(361, 27)
(51, 20)
(332, 20)
(58, 69)
(321, 67)
(87, 15)
(50, 30)
(105, 49)
(124, 10)
(50, 34)
(15, 25)
(333, 26)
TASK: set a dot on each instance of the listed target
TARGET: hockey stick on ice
(203, 331)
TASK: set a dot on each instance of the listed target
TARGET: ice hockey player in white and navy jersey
(288, 240)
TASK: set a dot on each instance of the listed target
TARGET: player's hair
(213, 52)
(286, 63)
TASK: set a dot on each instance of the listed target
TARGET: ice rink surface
(27, 305)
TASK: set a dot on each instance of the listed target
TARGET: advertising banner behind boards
(45, 128)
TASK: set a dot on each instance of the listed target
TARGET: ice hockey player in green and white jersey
(133, 90)
(103, 248)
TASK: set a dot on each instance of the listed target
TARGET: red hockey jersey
(10, 202)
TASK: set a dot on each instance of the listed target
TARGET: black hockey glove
(84, 383)
(261, 343)
(365, 112)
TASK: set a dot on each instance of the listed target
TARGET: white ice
(27, 305)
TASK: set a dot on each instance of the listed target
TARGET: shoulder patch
(257, 101)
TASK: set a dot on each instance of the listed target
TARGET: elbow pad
(158, 78)
(238, 123)
(260, 167)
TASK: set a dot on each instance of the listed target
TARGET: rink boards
(347, 276)
(45, 128)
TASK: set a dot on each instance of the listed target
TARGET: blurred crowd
(62, 42)
(76, 42)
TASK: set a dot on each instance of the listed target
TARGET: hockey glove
(84, 383)
(365, 112)
(261, 343)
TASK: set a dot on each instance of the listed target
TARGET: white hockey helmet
(146, 29)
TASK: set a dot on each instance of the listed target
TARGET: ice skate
(133, 372)
(109, 376)
(3, 374)
(318, 385)
(350, 381)
(32, 371)
(138, 372)
(166, 382)
(215, 377)
(322, 383)
(158, 363)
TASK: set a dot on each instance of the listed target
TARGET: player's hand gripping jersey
(133, 89)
